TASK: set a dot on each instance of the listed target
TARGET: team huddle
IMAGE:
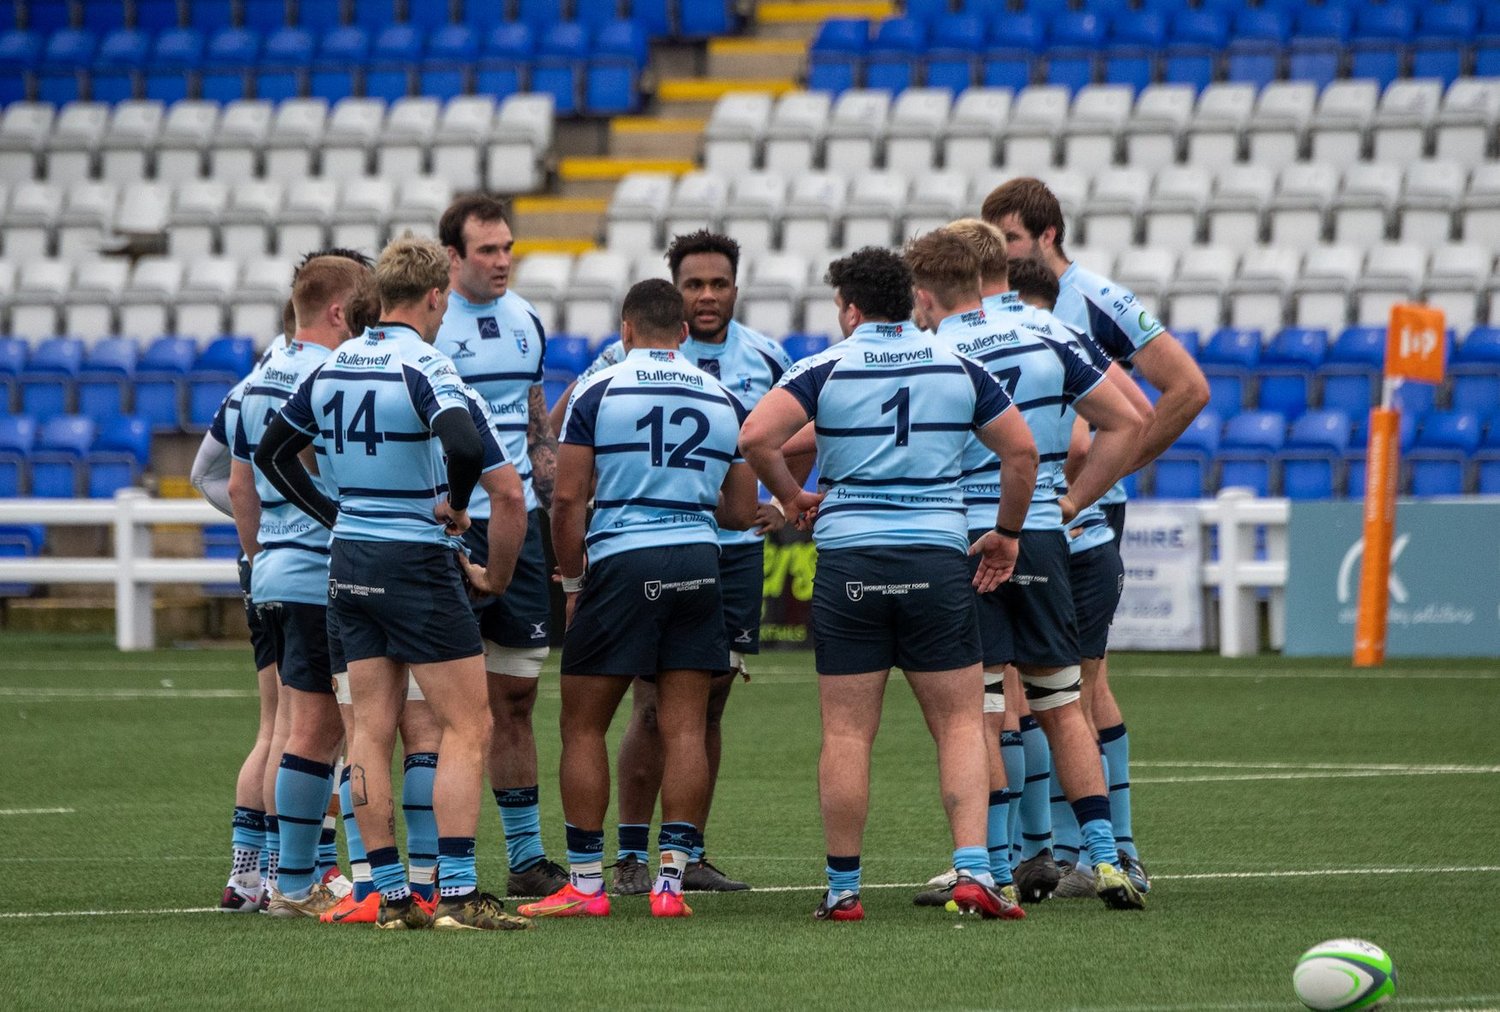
(391, 462)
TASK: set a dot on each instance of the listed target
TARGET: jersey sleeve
(298, 410)
(494, 453)
(583, 413)
(1079, 377)
(990, 399)
(434, 385)
(740, 414)
(541, 336)
(240, 447)
(217, 428)
(805, 380)
(1119, 322)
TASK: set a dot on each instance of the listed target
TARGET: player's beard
(713, 336)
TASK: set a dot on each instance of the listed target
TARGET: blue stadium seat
(48, 16)
(1439, 461)
(161, 375)
(119, 455)
(232, 55)
(19, 542)
(950, 57)
(1351, 391)
(394, 61)
(800, 346)
(1359, 346)
(284, 62)
(341, 52)
(702, 18)
(1239, 347)
(1136, 37)
(1193, 48)
(320, 18)
(1073, 40)
(451, 51)
(539, 15)
(1189, 339)
(20, 52)
(215, 370)
(13, 355)
(1314, 452)
(553, 387)
(1317, 46)
(1249, 444)
(1480, 348)
(1487, 462)
(654, 16)
(374, 15)
(1378, 43)
(178, 53)
(17, 437)
(1255, 49)
(1478, 392)
(622, 39)
(121, 56)
(63, 68)
(157, 15)
(1415, 399)
(1287, 368)
(47, 385)
(1440, 48)
(1166, 7)
(211, 15)
(58, 456)
(927, 11)
(1182, 471)
(504, 63)
(483, 15)
(562, 53)
(265, 16)
(894, 54)
(103, 15)
(1228, 362)
(568, 354)
(837, 54)
(595, 14)
(1012, 49)
(105, 378)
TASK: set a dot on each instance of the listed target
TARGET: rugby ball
(1345, 973)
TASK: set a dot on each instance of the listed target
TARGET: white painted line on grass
(108, 913)
(1389, 767)
(1325, 775)
(36, 811)
(1257, 673)
(53, 694)
(1460, 1001)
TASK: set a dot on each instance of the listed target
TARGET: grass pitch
(1278, 803)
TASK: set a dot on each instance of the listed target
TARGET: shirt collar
(455, 297)
(960, 323)
(878, 331)
(663, 355)
(386, 330)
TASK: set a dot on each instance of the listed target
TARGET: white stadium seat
(187, 131)
(7, 288)
(87, 218)
(1362, 211)
(735, 129)
(636, 209)
(1430, 196)
(1153, 134)
(1237, 207)
(772, 294)
(75, 139)
(1175, 215)
(520, 136)
(1466, 120)
(303, 222)
(402, 144)
(697, 202)
(420, 202)
(1404, 119)
(1258, 293)
(1455, 277)
(814, 204)
(354, 126)
(1341, 120)
(856, 125)
(795, 133)
(1036, 120)
(876, 200)
(1278, 126)
(1392, 273)
(936, 198)
(362, 215)
(129, 140)
(1320, 295)
(1113, 210)
(1195, 297)
(917, 118)
(652, 265)
(148, 296)
(1480, 211)
(297, 131)
(979, 119)
(544, 278)
(458, 143)
(1218, 124)
(198, 207)
(754, 209)
(24, 130)
(245, 227)
(1092, 132)
(1299, 211)
(594, 293)
(144, 211)
(234, 156)
(31, 219)
(206, 288)
(89, 310)
(42, 286)
(1147, 271)
(255, 305)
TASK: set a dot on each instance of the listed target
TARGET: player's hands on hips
(454, 522)
(997, 560)
(1069, 511)
(477, 577)
(768, 519)
(802, 511)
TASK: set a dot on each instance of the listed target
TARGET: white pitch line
(1441, 1002)
(1300, 673)
(1382, 767)
(1309, 873)
(1326, 775)
(36, 811)
(56, 694)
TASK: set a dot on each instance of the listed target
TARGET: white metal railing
(134, 572)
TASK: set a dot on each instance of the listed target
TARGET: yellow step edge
(560, 205)
(656, 125)
(575, 247)
(711, 89)
(588, 169)
(782, 12)
(737, 46)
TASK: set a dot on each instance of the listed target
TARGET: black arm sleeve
(276, 456)
(464, 450)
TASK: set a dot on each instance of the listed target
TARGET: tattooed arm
(541, 446)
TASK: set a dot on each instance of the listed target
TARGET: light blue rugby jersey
(1113, 317)
(748, 364)
(1043, 377)
(892, 409)
(293, 563)
(370, 408)
(479, 410)
(498, 347)
(664, 433)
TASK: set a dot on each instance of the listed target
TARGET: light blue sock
(389, 874)
(1013, 755)
(456, 865)
(1036, 811)
(997, 838)
(1066, 843)
(585, 857)
(328, 846)
(521, 816)
(418, 772)
(1116, 744)
(359, 862)
(302, 790)
(975, 863)
(247, 838)
(843, 875)
(1098, 837)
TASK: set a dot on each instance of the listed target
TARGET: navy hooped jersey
(664, 434)
(892, 410)
(498, 348)
(370, 408)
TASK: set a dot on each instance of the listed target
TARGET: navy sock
(418, 772)
(634, 840)
(585, 858)
(521, 816)
(302, 790)
(843, 875)
(1098, 838)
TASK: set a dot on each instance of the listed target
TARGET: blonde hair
(325, 280)
(408, 269)
(989, 246)
(944, 263)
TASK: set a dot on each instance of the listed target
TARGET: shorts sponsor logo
(653, 588)
(335, 588)
(1026, 579)
(857, 590)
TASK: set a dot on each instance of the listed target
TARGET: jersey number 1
(681, 453)
(361, 426)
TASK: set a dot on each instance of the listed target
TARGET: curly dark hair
(1031, 280)
(876, 280)
(481, 206)
(702, 241)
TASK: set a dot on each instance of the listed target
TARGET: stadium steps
(695, 96)
(596, 177)
(559, 217)
(656, 137)
(799, 19)
(750, 56)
